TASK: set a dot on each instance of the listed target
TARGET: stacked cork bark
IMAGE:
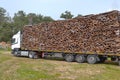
(92, 33)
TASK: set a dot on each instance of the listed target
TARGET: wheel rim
(92, 59)
(30, 56)
(15, 53)
(69, 58)
(80, 58)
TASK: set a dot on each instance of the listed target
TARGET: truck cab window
(13, 41)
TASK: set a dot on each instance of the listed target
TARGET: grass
(21, 68)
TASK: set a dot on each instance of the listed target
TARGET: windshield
(13, 41)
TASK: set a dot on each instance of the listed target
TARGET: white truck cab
(16, 41)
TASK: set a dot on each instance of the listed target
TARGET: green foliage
(35, 19)
(20, 20)
(79, 15)
(47, 19)
(66, 15)
(2, 15)
(10, 26)
(6, 32)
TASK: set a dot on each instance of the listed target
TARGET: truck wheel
(30, 55)
(80, 58)
(92, 59)
(33, 55)
(69, 57)
(16, 54)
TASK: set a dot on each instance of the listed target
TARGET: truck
(91, 38)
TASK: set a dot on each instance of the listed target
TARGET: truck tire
(30, 55)
(33, 55)
(80, 58)
(92, 59)
(69, 57)
(16, 54)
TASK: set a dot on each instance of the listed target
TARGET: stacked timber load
(91, 33)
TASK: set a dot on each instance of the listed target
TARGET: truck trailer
(90, 38)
